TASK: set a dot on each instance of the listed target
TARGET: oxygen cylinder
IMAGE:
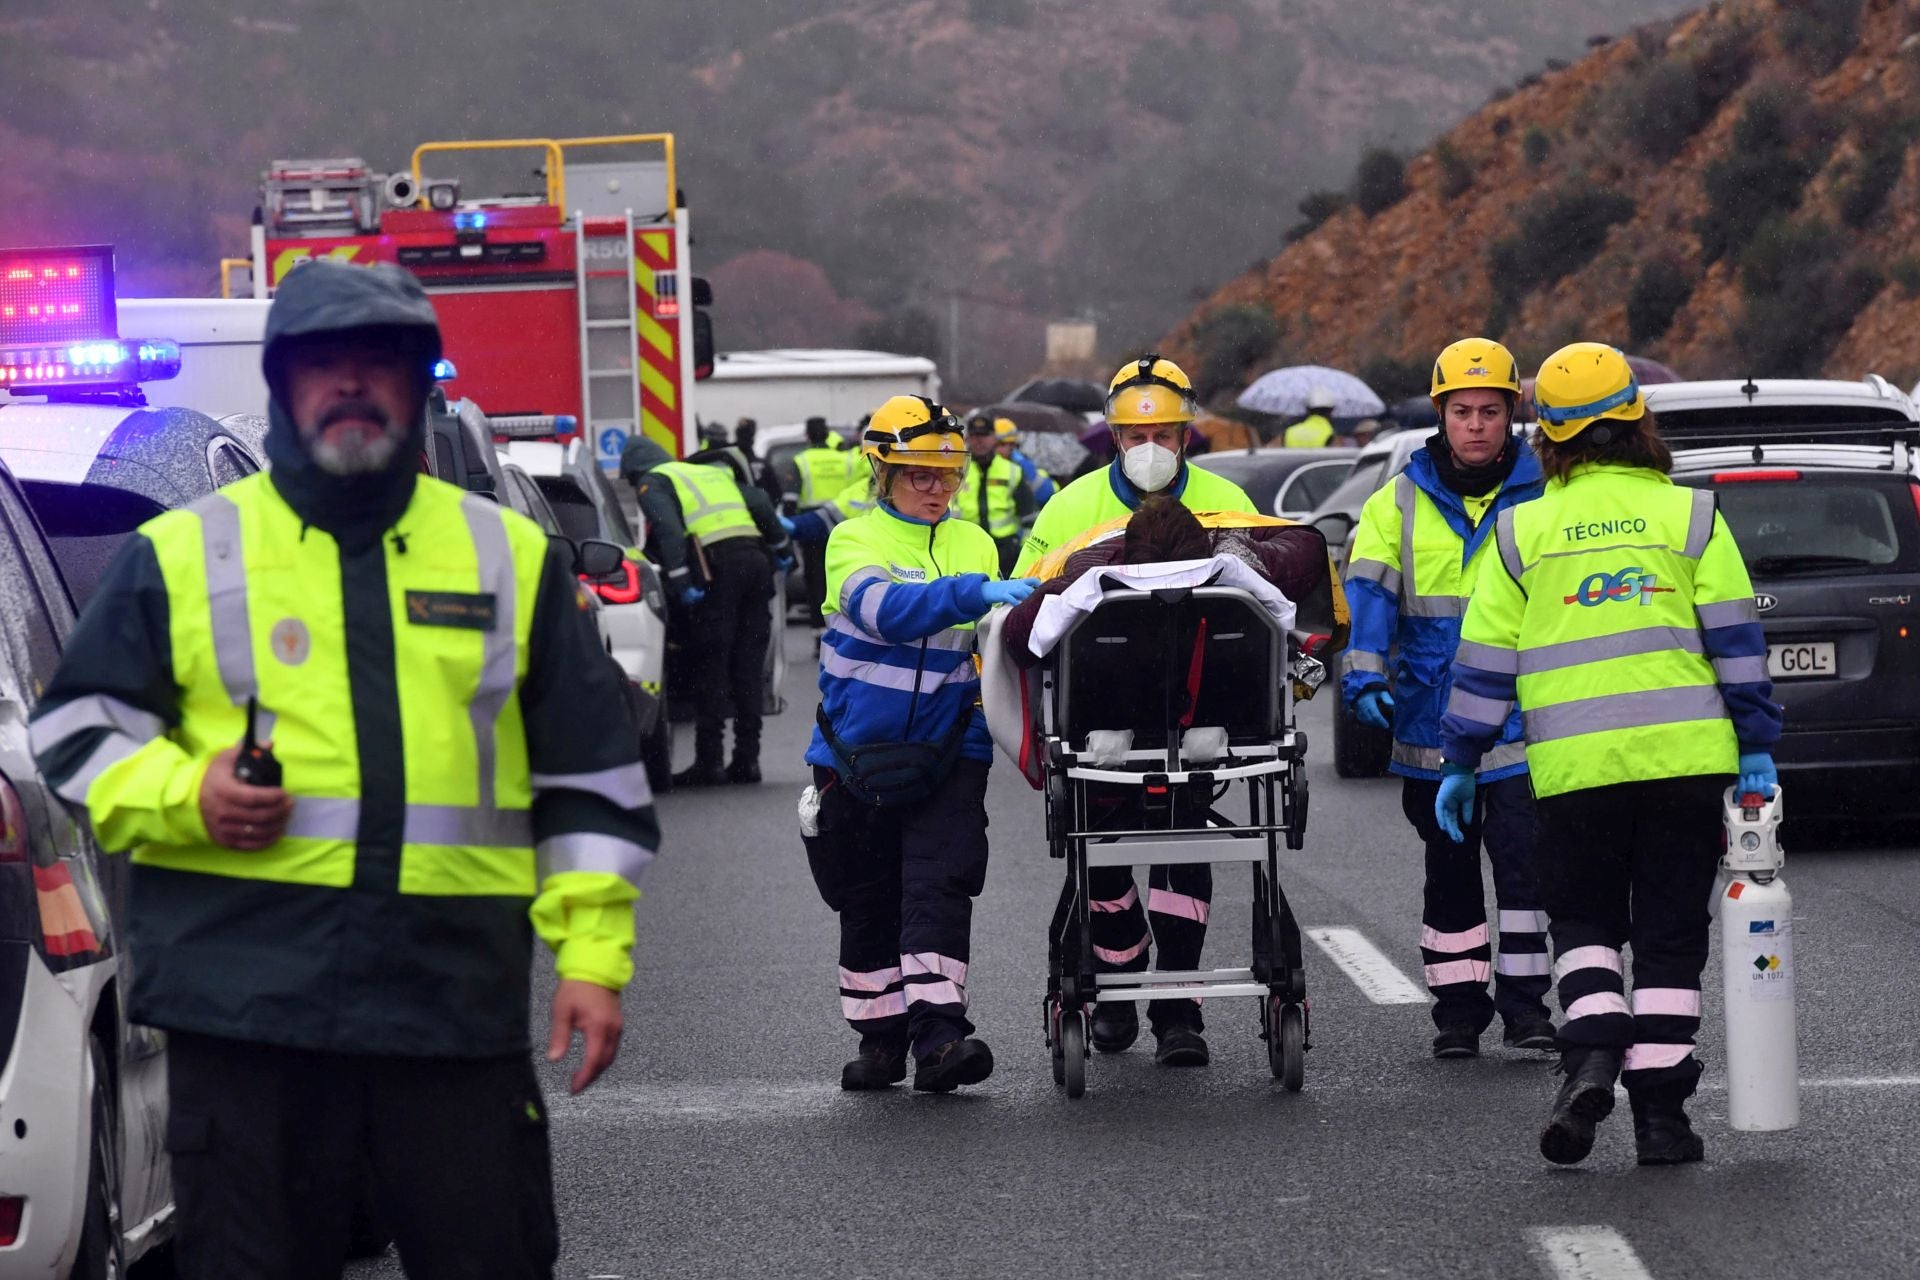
(1756, 957)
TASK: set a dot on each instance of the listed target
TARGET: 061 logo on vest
(291, 641)
(1626, 584)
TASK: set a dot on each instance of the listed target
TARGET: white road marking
(1588, 1253)
(1369, 968)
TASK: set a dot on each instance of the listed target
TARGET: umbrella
(1059, 455)
(1029, 416)
(1284, 392)
(1074, 394)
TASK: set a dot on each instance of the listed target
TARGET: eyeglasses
(943, 481)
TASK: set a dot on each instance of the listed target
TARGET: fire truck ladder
(609, 326)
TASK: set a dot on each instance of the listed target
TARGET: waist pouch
(886, 775)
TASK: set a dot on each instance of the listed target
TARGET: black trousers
(1455, 943)
(813, 567)
(903, 881)
(272, 1147)
(733, 627)
(1632, 865)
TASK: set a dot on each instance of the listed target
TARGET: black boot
(878, 1066)
(953, 1064)
(701, 773)
(1662, 1133)
(1115, 1026)
(1180, 1046)
(1584, 1100)
(744, 771)
(1457, 1040)
(1529, 1031)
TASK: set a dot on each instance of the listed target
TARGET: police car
(1819, 482)
(84, 1182)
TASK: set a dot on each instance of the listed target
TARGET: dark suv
(1820, 484)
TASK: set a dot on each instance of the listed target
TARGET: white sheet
(1059, 613)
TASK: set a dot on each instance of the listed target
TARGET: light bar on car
(88, 365)
(534, 426)
(59, 326)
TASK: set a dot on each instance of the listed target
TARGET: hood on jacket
(325, 297)
(641, 456)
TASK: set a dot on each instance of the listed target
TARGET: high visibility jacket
(1619, 615)
(986, 497)
(1101, 496)
(896, 660)
(462, 762)
(824, 472)
(1416, 555)
(1311, 432)
(711, 504)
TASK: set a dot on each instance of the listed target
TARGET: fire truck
(573, 302)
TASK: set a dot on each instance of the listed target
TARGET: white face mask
(1151, 467)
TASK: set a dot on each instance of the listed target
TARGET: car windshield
(1816, 525)
(1358, 486)
(86, 523)
(572, 508)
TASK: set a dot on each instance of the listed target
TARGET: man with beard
(336, 936)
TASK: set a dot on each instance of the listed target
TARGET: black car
(1282, 482)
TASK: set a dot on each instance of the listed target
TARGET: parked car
(1290, 483)
(460, 447)
(1819, 482)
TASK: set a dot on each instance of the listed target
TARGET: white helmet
(1320, 399)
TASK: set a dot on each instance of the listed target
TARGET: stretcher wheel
(1072, 1063)
(1053, 1043)
(1287, 1047)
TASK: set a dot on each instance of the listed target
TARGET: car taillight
(1915, 490)
(13, 840)
(625, 591)
(12, 1210)
(1744, 477)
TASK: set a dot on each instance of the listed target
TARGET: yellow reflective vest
(824, 471)
(1312, 432)
(986, 496)
(710, 502)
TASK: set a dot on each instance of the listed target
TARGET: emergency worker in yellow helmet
(1416, 552)
(1315, 429)
(895, 823)
(1150, 403)
(1006, 435)
(1618, 617)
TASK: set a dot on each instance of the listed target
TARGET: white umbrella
(1286, 392)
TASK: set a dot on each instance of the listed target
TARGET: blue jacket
(1423, 666)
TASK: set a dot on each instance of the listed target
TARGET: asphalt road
(720, 1144)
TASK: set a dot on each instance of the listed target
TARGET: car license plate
(1801, 661)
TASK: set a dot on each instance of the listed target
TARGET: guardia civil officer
(996, 495)
(825, 468)
(1150, 406)
(900, 754)
(1419, 547)
(1619, 618)
(340, 957)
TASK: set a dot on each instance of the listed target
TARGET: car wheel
(1359, 750)
(102, 1251)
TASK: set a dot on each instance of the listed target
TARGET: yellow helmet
(1475, 362)
(1150, 390)
(1006, 430)
(913, 431)
(1582, 383)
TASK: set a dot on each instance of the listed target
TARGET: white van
(794, 384)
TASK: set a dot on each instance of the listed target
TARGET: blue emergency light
(443, 370)
(59, 328)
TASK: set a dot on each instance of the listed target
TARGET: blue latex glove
(785, 524)
(1453, 807)
(1757, 774)
(692, 595)
(1012, 591)
(1374, 708)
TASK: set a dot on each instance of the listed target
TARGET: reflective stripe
(853, 582)
(1597, 1005)
(1112, 956)
(1412, 603)
(1522, 964)
(953, 639)
(1503, 756)
(1471, 706)
(1375, 571)
(458, 825)
(226, 571)
(1507, 753)
(1509, 545)
(1626, 644)
(1361, 660)
(96, 711)
(885, 676)
(1672, 1002)
(1586, 958)
(1523, 922)
(1413, 757)
(1652, 1057)
(112, 750)
(934, 993)
(1113, 906)
(871, 980)
(1699, 524)
(1419, 606)
(489, 531)
(917, 963)
(1180, 905)
(1727, 613)
(891, 1005)
(1465, 940)
(1639, 709)
(1488, 657)
(1453, 971)
(624, 785)
(324, 818)
(699, 506)
(591, 851)
(1749, 670)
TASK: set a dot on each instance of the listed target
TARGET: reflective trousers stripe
(1185, 907)
(1626, 644)
(856, 1009)
(942, 992)
(1599, 1004)
(1523, 922)
(1113, 956)
(1586, 958)
(1465, 940)
(1673, 1002)
(1522, 964)
(920, 963)
(1636, 710)
(1653, 1057)
(1115, 905)
(871, 980)
(1442, 975)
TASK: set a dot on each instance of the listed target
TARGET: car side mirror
(599, 559)
(1334, 528)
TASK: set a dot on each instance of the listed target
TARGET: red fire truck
(575, 302)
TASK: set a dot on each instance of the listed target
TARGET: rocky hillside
(1733, 192)
(1013, 159)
